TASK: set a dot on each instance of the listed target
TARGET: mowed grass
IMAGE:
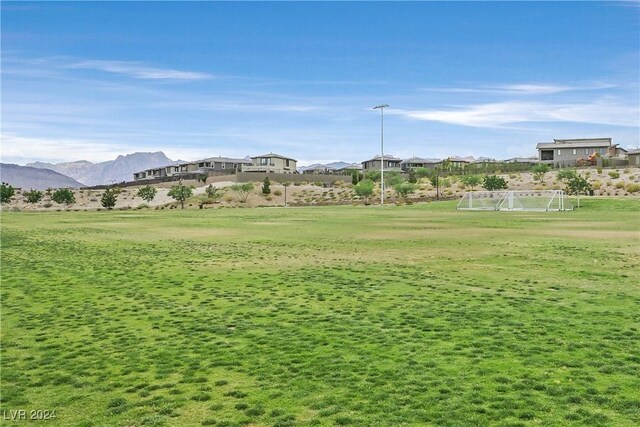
(415, 315)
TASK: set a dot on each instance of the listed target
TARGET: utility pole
(381, 107)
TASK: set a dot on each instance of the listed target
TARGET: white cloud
(138, 70)
(523, 88)
(501, 114)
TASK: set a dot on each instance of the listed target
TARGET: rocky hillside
(118, 170)
(39, 179)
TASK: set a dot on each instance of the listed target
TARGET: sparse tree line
(364, 187)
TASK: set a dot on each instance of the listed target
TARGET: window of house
(586, 151)
(223, 165)
(559, 152)
(176, 169)
(574, 152)
(602, 151)
(264, 161)
(287, 162)
(201, 164)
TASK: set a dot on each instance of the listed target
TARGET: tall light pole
(381, 107)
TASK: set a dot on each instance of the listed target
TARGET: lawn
(413, 315)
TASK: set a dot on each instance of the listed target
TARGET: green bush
(63, 196)
(614, 174)
(633, 188)
(147, 193)
(277, 193)
(6, 192)
(364, 189)
(494, 182)
(33, 196)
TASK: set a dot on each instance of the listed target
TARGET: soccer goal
(522, 200)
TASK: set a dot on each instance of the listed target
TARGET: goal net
(503, 200)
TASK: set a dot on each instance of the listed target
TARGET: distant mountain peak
(117, 170)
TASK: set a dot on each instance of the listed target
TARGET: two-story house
(390, 163)
(567, 152)
(271, 163)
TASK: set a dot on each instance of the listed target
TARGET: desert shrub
(47, 205)
(599, 169)
(6, 192)
(147, 193)
(619, 184)
(269, 198)
(213, 193)
(413, 178)
(404, 190)
(391, 179)
(633, 188)
(33, 196)
(471, 181)
(445, 183)
(243, 190)
(494, 182)
(372, 175)
(277, 193)
(614, 174)
(596, 185)
(63, 196)
(539, 171)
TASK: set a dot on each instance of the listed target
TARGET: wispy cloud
(523, 88)
(501, 114)
(138, 70)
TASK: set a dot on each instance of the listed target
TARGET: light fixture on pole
(381, 107)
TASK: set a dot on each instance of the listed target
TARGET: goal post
(514, 200)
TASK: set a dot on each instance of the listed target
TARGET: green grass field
(414, 315)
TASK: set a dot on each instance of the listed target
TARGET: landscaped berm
(369, 316)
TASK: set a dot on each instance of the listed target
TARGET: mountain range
(334, 165)
(112, 171)
(40, 179)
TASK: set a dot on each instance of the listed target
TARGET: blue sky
(91, 80)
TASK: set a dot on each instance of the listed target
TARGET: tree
(243, 190)
(202, 178)
(181, 192)
(266, 186)
(539, 171)
(471, 181)
(63, 196)
(33, 196)
(109, 198)
(6, 192)
(404, 190)
(364, 189)
(494, 182)
(578, 185)
(413, 178)
(147, 193)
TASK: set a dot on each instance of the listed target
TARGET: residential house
(567, 152)
(456, 162)
(390, 163)
(418, 162)
(223, 164)
(633, 156)
(271, 163)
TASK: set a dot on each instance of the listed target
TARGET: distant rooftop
(274, 155)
